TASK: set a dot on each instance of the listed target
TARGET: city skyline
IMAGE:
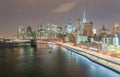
(14, 13)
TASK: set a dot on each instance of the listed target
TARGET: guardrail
(110, 62)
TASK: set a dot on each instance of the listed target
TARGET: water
(60, 62)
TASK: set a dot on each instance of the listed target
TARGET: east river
(48, 61)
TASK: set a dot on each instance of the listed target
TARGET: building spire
(84, 17)
(84, 14)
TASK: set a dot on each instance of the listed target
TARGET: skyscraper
(84, 18)
(116, 28)
(29, 33)
(79, 26)
(88, 29)
(83, 21)
(20, 32)
(69, 28)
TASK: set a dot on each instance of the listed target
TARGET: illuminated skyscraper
(88, 29)
(116, 28)
(83, 21)
(116, 40)
(29, 33)
(79, 26)
(84, 17)
(53, 31)
(41, 31)
(102, 32)
(69, 28)
(20, 32)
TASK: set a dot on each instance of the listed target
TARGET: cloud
(19, 10)
(65, 7)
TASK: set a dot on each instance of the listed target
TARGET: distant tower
(88, 29)
(83, 21)
(69, 28)
(116, 40)
(29, 33)
(20, 32)
(84, 18)
(79, 26)
(116, 28)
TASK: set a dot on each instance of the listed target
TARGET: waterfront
(33, 62)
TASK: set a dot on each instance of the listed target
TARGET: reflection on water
(37, 62)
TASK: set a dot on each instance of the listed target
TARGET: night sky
(14, 13)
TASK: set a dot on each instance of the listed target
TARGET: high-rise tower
(84, 18)
(79, 26)
(83, 21)
(88, 29)
(20, 32)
